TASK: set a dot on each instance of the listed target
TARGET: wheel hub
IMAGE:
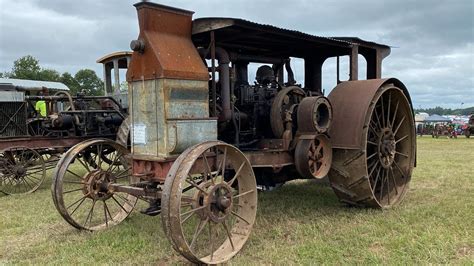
(19, 171)
(96, 185)
(386, 147)
(218, 202)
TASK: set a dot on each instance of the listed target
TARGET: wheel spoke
(240, 217)
(99, 156)
(383, 111)
(388, 186)
(393, 179)
(381, 185)
(108, 211)
(400, 139)
(395, 114)
(199, 228)
(228, 235)
(221, 166)
(243, 194)
(378, 117)
(114, 161)
(70, 191)
(388, 108)
(399, 169)
(89, 215)
(83, 164)
(231, 182)
(402, 154)
(187, 217)
(123, 173)
(74, 174)
(120, 205)
(193, 210)
(105, 216)
(73, 182)
(372, 128)
(399, 124)
(211, 239)
(124, 199)
(368, 158)
(79, 200)
(371, 142)
(195, 185)
(376, 179)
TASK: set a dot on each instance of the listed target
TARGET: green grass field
(300, 223)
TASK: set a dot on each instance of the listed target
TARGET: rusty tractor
(204, 137)
(30, 142)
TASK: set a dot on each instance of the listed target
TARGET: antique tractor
(30, 142)
(470, 127)
(204, 137)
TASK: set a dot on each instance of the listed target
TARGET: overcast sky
(432, 40)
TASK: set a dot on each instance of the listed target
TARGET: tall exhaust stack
(168, 85)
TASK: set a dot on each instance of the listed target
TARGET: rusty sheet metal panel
(186, 99)
(183, 134)
(167, 50)
(350, 100)
(164, 121)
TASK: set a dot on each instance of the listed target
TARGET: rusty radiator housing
(168, 85)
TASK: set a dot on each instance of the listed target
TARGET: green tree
(26, 67)
(89, 82)
(70, 82)
(49, 75)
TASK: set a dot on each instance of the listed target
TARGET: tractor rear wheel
(378, 173)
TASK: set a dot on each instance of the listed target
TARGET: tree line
(85, 80)
(446, 111)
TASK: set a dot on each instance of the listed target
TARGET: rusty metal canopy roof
(112, 56)
(248, 37)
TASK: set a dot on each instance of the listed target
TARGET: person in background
(40, 106)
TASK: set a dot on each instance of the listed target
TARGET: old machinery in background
(30, 142)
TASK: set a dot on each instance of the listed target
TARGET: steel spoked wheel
(22, 170)
(209, 202)
(313, 157)
(81, 190)
(390, 147)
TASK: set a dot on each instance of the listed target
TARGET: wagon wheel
(379, 174)
(282, 103)
(208, 212)
(22, 170)
(123, 138)
(313, 157)
(80, 187)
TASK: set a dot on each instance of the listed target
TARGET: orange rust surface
(169, 51)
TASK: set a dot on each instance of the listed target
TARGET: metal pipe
(224, 79)
(213, 74)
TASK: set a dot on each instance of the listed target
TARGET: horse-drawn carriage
(204, 136)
